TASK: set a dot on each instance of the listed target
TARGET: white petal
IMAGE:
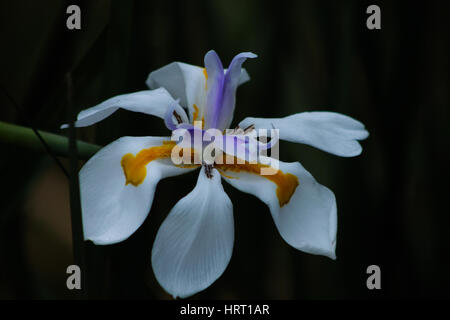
(111, 210)
(328, 131)
(308, 222)
(185, 82)
(194, 244)
(152, 102)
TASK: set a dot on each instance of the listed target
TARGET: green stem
(25, 137)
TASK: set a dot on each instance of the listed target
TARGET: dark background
(313, 55)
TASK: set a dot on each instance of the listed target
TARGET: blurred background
(312, 56)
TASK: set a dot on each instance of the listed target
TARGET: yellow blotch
(134, 167)
(286, 183)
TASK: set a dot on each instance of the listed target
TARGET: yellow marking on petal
(205, 73)
(196, 111)
(225, 175)
(286, 183)
(134, 167)
(195, 115)
(188, 166)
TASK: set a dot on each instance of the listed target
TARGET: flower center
(135, 171)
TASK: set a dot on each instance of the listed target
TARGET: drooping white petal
(194, 244)
(152, 102)
(308, 222)
(185, 82)
(328, 131)
(112, 210)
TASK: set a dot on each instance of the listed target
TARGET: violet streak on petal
(222, 89)
(215, 82)
(229, 88)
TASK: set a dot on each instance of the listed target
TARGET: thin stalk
(75, 203)
(25, 137)
(25, 117)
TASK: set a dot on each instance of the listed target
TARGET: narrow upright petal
(222, 89)
(328, 131)
(229, 91)
(194, 244)
(215, 84)
(303, 210)
(152, 102)
(112, 207)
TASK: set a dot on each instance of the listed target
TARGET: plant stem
(25, 137)
(75, 202)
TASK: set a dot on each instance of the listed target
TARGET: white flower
(195, 242)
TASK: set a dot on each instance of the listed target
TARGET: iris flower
(194, 243)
